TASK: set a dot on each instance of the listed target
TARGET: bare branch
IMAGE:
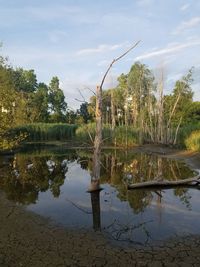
(91, 139)
(177, 129)
(115, 60)
(90, 90)
(81, 94)
(82, 101)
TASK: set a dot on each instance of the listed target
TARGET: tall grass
(125, 136)
(47, 131)
(193, 141)
(120, 136)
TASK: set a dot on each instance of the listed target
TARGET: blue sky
(76, 40)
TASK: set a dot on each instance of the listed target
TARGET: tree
(24, 80)
(193, 113)
(40, 103)
(8, 97)
(183, 92)
(25, 85)
(140, 83)
(177, 105)
(58, 105)
(84, 112)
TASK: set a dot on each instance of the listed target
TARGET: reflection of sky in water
(162, 219)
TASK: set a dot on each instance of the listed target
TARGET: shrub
(193, 141)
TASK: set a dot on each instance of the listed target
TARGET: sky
(76, 40)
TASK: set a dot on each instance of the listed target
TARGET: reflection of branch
(119, 230)
(78, 207)
(159, 194)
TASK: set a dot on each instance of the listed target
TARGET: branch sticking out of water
(166, 183)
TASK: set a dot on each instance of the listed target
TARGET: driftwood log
(195, 181)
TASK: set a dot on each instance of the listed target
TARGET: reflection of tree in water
(184, 196)
(118, 171)
(26, 176)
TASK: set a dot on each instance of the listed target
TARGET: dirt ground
(29, 240)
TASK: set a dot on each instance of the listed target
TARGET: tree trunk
(98, 137)
(113, 111)
(166, 183)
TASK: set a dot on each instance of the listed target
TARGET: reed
(120, 136)
(47, 131)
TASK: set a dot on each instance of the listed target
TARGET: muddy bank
(29, 240)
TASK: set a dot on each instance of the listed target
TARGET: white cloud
(99, 49)
(184, 7)
(185, 25)
(170, 49)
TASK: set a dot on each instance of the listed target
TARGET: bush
(193, 141)
(185, 132)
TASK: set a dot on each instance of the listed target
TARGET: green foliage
(58, 105)
(24, 101)
(193, 141)
(24, 80)
(186, 131)
(40, 103)
(47, 131)
(84, 112)
(86, 132)
(193, 113)
(8, 97)
(125, 136)
(141, 113)
(183, 92)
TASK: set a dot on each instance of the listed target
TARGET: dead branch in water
(195, 181)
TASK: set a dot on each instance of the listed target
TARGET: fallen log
(166, 183)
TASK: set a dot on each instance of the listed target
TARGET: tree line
(138, 101)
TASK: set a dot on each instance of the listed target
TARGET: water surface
(53, 182)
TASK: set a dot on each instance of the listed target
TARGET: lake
(53, 182)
